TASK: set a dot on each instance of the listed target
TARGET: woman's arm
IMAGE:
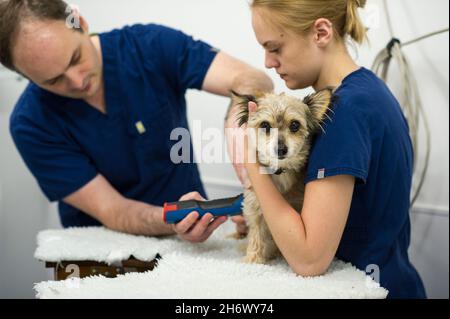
(308, 241)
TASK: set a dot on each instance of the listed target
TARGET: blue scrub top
(368, 138)
(66, 142)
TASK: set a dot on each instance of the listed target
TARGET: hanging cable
(429, 35)
(411, 104)
(389, 20)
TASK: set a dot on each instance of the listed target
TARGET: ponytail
(353, 25)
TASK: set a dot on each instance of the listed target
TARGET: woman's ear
(323, 32)
(319, 103)
(247, 104)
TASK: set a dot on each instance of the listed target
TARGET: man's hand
(197, 230)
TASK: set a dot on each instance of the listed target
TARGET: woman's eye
(295, 126)
(265, 126)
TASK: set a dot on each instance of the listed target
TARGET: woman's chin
(293, 85)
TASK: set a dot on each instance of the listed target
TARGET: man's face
(58, 59)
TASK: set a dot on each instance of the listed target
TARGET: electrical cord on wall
(411, 104)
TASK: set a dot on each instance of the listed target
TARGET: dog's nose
(282, 150)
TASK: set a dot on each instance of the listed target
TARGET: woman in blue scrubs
(94, 124)
(358, 180)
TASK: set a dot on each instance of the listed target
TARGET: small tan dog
(283, 128)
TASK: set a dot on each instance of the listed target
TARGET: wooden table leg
(82, 269)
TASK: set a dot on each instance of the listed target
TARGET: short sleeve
(184, 60)
(58, 165)
(345, 147)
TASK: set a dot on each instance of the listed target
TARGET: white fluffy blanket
(212, 270)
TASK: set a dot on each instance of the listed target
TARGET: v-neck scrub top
(367, 137)
(66, 143)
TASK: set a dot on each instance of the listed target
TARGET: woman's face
(296, 58)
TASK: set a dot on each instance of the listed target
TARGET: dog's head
(283, 125)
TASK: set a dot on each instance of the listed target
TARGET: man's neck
(98, 99)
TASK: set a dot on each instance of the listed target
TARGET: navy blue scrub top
(368, 138)
(66, 142)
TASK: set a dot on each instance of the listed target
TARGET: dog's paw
(236, 235)
(243, 247)
(254, 259)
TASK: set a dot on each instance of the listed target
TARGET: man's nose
(76, 79)
(271, 62)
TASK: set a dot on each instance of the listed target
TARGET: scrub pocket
(153, 143)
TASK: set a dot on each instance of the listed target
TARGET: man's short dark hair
(14, 12)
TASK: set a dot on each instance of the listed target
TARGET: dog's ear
(319, 103)
(243, 101)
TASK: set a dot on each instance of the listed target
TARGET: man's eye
(276, 51)
(265, 126)
(75, 61)
(78, 59)
(55, 81)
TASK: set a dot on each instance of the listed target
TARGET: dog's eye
(265, 126)
(295, 126)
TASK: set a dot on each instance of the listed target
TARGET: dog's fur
(285, 153)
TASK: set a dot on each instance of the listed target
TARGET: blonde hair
(300, 15)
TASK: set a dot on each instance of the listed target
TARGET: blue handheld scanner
(176, 212)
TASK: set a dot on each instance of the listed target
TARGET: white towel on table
(212, 270)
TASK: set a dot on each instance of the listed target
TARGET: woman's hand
(250, 153)
(196, 230)
(239, 147)
(235, 146)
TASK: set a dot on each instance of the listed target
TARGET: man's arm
(101, 201)
(226, 74)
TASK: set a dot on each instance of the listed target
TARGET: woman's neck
(339, 64)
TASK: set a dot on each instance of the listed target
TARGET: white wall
(226, 25)
(23, 209)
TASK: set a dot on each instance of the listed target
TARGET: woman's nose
(271, 62)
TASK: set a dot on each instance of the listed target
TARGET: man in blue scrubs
(94, 124)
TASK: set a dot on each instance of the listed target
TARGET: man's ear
(319, 103)
(243, 102)
(84, 25)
